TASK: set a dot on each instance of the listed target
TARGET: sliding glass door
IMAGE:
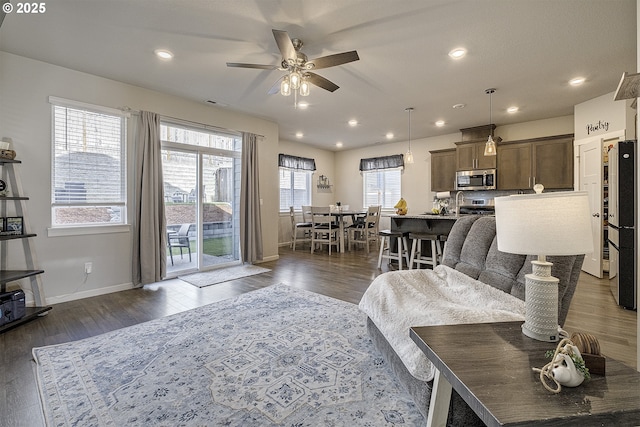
(202, 188)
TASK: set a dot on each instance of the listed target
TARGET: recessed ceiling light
(389, 135)
(577, 81)
(353, 122)
(513, 109)
(299, 134)
(458, 53)
(164, 54)
(338, 144)
(459, 105)
(302, 105)
(440, 123)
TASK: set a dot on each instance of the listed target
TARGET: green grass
(217, 246)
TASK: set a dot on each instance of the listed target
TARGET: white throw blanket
(398, 300)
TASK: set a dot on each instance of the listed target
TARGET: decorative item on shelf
(3, 188)
(556, 223)
(567, 367)
(401, 207)
(490, 147)
(5, 149)
(323, 182)
(8, 154)
(590, 349)
(13, 226)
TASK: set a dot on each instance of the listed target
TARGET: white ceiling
(526, 49)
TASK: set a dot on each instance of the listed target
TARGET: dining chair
(323, 230)
(365, 229)
(306, 214)
(296, 226)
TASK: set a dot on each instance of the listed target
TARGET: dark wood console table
(489, 365)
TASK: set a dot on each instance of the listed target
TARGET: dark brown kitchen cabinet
(547, 161)
(514, 166)
(471, 156)
(443, 170)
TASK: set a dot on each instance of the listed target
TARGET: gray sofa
(471, 248)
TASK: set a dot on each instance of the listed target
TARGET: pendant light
(490, 146)
(408, 158)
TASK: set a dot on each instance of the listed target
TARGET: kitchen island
(426, 223)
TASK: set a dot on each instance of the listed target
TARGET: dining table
(341, 216)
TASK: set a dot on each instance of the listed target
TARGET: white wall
(25, 116)
(603, 115)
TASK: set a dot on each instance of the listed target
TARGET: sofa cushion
(502, 270)
(472, 249)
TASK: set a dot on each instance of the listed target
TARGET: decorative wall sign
(600, 126)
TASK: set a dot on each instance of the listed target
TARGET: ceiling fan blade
(322, 82)
(333, 60)
(276, 86)
(285, 45)
(259, 66)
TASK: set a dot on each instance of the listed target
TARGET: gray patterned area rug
(220, 275)
(278, 356)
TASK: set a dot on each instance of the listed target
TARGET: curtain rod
(187, 122)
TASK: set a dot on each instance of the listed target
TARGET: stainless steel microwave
(476, 180)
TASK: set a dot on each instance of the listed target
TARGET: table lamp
(556, 223)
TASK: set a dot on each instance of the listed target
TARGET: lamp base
(541, 303)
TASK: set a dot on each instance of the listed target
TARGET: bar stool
(416, 250)
(385, 247)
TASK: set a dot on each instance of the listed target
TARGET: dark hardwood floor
(343, 276)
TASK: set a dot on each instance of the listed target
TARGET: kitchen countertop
(425, 216)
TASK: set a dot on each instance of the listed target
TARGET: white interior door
(591, 170)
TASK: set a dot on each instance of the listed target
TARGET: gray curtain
(250, 217)
(386, 162)
(150, 238)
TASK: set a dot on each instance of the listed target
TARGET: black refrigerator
(622, 223)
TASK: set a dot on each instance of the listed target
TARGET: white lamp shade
(557, 223)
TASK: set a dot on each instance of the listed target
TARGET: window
(88, 185)
(295, 181)
(381, 187)
(295, 188)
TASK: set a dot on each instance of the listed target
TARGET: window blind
(382, 187)
(88, 150)
(295, 188)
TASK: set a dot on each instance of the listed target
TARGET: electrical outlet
(88, 267)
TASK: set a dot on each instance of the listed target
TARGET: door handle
(596, 215)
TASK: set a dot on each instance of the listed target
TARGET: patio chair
(179, 240)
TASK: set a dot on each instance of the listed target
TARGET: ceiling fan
(299, 67)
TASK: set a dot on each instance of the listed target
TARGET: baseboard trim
(267, 259)
(89, 293)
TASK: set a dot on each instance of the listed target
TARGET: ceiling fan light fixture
(295, 79)
(285, 86)
(305, 87)
(490, 146)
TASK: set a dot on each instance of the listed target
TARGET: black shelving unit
(32, 272)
